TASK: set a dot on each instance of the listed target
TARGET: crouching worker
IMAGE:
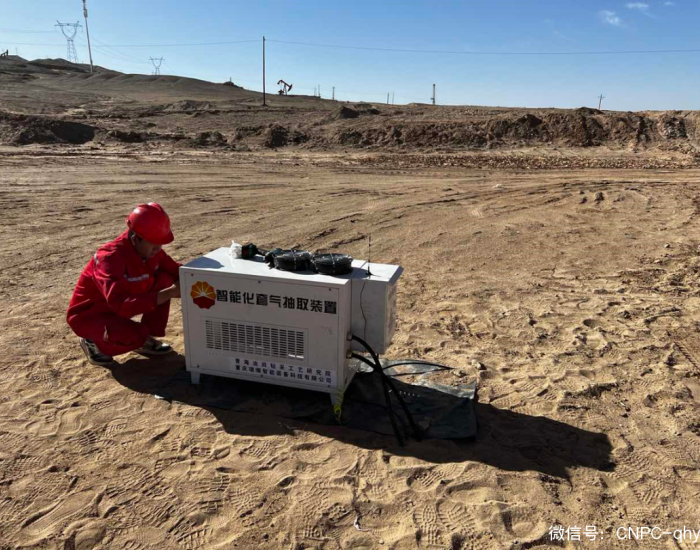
(127, 277)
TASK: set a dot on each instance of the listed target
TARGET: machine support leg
(337, 401)
(195, 377)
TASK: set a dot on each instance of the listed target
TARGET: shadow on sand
(506, 440)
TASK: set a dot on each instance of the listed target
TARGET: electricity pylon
(156, 64)
(72, 54)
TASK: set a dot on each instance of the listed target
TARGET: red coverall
(116, 285)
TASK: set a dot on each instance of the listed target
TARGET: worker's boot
(94, 355)
(153, 347)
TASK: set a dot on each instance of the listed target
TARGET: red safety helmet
(150, 222)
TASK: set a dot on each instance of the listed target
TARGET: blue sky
(628, 82)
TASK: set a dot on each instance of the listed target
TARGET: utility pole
(333, 93)
(601, 97)
(87, 31)
(264, 97)
(319, 91)
(392, 98)
(157, 62)
(72, 54)
(387, 98)
(433, 98)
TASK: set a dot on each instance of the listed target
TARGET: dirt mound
(344, 113)
(245, 132)
(210, 139)
(588, 111)
(126, 137)
(188, 106)
(279, 136)
(27, 129)
(672, 126)
(366, 109)
(579, 128)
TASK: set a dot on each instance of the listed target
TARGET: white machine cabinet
(244, 320)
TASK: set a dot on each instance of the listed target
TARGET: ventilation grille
(255, 340)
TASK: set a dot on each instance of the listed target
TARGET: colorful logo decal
(203, 295)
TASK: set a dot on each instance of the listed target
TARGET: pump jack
(286, 88)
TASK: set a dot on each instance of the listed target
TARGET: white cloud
(641, 7)
(610, 18)
(669, 3)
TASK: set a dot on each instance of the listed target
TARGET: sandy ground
(572, 295)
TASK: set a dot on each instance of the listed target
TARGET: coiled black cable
(332, 264)
(293, 260)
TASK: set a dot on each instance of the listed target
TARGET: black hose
(387, 381)
(389, 408)
(369, 349)
(411, 362)
(417, 433)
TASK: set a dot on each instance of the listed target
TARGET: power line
(177, 45)
(147, 45)
(465, 52)
(111, 55)
(114, 50)
(396, 50)
(10, 31)
(35, 44)
(110, 52)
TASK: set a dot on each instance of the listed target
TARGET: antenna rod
(369, 256)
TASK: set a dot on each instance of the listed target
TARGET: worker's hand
(168, 294)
